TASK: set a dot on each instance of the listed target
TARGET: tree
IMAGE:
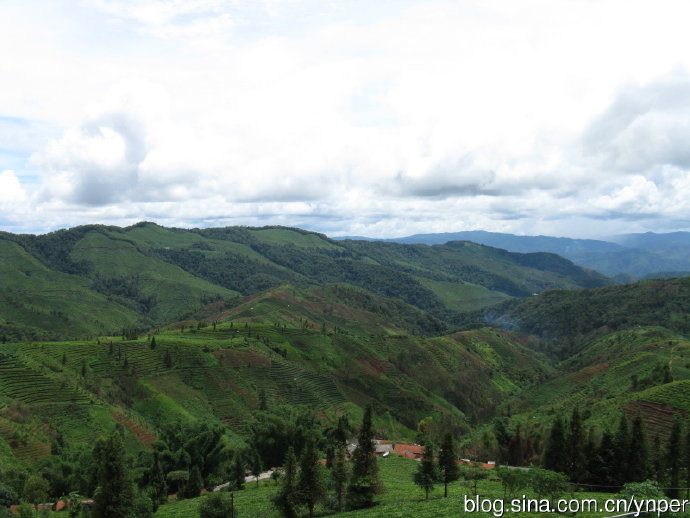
(35, 490)
(604, 470)
(114, 496)
(263, 403)
(548, 484)
(256, 465)
(447, 462)
(217, 505)
(687, 463)
(310, 481)
(152, 345)
(638, 456)
(286, 499)
(555, 452)
(143, 506)
(426, 475)
(513, 480)
(364, 481)
(237, 475)
(167, 359)
(8, 496)
(657, 459)
(339, 476)
(622, 451)
(74, 505)
(574, 442)
(673, 453)
(194, 485)
(471, 475)
(158, 487)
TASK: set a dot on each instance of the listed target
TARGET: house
(383, 450)
(411, 451)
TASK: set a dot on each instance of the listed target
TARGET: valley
(260, 338)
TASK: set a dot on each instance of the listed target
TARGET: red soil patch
(226, 381)
(143, 436)
(658, 419)
(373, 367)
(589, 372)
(231, 358)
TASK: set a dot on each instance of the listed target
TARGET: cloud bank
(352, 119)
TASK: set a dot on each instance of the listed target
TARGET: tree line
(620, 455)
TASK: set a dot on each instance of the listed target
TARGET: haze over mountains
(635, 255)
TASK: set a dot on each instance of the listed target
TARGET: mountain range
(147, 275)
(626, 256)
(145, 326)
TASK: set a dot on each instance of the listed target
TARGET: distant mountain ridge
(641, 255)
(146, 275)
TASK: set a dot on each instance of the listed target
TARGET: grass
(216, 373)
(175, 290)
(400, 498)
(464, 296)
(50, 304)
(284, 236)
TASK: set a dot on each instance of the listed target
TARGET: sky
(349, 117)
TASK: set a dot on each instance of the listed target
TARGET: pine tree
(263, 403)
(256, 465)
(555, 452)
(310, 482)
(687, 463)
(447, 462)
(364, 481)
(657, 459)
(339, 475)
(114, 496)
(673, 452)
(426, 475)
(159, 488)
(152, 345)
(237, 472)
(605, 471)
(167, 359)
(515, 448)
(286, 499)
(622, 448)
(195, 483)
(638, 458)
(575, 442)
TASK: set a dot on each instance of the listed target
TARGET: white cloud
(354, 117)
(11, 190)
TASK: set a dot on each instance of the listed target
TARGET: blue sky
(387, 118)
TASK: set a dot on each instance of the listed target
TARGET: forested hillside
(194, 356)
(146, 275)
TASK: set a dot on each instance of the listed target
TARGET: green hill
(643, 371)
(39, 302)
(145, 275)
(301, 347)
(564, 320)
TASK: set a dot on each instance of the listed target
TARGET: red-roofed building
(411, 451)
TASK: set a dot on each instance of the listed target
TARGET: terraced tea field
(35, 387)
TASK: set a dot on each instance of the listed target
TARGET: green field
(401, 498)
